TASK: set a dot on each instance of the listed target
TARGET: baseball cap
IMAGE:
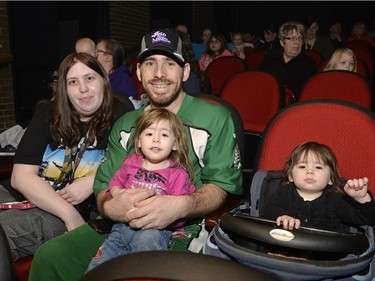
(163, 41)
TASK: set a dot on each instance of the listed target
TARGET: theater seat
(22, 268)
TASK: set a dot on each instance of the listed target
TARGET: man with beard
(213, 151)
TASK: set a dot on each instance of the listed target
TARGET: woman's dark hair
(310, 20)
(188, 54)
(66, 124)
(270, 28)
(220, 37)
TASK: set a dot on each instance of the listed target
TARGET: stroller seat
(304, 254)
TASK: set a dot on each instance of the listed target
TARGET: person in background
(371, 31)
(336, 35)
(292, 66)
(342, 59)
(110, 54)
(85, 45)
(270, 41)
(68, 137)
(315, 42)
(195, 84)
(239, 45)
(183, 28)
(213, 149)
(199, 48)
(215, 49)
(161, 152)
(359, 32)
(313, 195)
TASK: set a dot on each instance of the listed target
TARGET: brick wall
(7, 114)
(129, 21)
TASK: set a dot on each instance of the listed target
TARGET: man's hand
(156, 212)
(118, 207)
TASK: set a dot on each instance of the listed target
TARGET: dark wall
(230, 16)
(253, 15)
(42, 33)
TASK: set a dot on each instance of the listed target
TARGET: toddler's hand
(357, 189)
(288, 222)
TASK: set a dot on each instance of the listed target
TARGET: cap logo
(160, 37)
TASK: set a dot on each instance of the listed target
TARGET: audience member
(68, 137)
(315, 42)
(359, 32)
(292, 66)
(371, 31)
(270, 42)
(342, 59)
(183, 28)
(195, 84)
(110, 53)
(85, 45)
(239, 45)
(199, 48)
(215, 49)
(313, 196)
(212, 149)
(336, 35)
(161, 152)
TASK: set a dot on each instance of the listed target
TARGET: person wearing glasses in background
(216, 48)
(110, 53)
(289, 64)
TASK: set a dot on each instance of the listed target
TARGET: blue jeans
(123, 240)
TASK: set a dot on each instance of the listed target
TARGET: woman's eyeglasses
(294, 38)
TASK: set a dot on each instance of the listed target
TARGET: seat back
(255, 58)
(316, 56)
(257, 96)
(220, 69)
(359, 44)
(347, 128)
(338, 84)
(368, 59)
(173, 265)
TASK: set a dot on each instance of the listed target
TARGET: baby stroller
(304, 254)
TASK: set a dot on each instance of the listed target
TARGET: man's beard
(165, 102)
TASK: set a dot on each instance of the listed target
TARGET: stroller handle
(304, 238)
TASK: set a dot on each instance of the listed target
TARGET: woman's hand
(78, 190)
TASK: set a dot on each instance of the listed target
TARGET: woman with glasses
(110, 54)
(292, 66)
(216, 48)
